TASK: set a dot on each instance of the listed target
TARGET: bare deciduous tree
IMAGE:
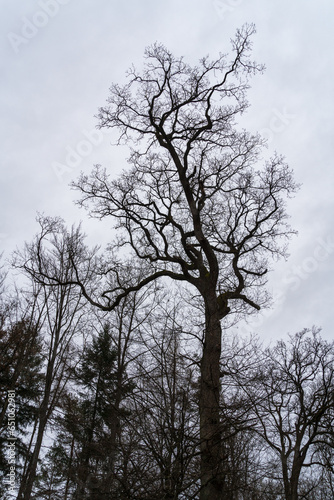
(164, 417)
(293, 401)
(196, 206)
(60, 310)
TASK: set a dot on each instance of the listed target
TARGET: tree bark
(210, 428)
(291, 485)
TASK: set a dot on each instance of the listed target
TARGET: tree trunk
(210, 429)
(294, 483)
(26, 486)
(84, 475)
(114, 429)
(28, 481)
(69, 470)
(291, 483)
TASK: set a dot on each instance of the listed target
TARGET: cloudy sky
(58, 59)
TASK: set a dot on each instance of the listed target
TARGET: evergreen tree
(82, 457)
(21, 382)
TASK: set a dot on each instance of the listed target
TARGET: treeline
(107, 404)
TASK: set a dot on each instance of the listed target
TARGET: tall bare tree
(195, 206)
(84, 459)
(292, 397)
(60, 310)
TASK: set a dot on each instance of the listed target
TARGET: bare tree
(325, 457)
(124, 326)
(243, 467)
(84, 459)
(195, 206)
(60, 310)
(293, 402)
(164, 423)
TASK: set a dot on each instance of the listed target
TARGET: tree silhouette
(21, 357)
(292, 398)
(196, 206)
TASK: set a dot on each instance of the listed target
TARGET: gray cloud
(59, 58)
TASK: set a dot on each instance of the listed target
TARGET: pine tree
(82, 456)
(21, 382)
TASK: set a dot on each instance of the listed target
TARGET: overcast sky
(58, 59)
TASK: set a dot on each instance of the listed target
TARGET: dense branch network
(197, 205)
(192, 205)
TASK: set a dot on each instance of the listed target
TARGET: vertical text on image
(10, 480)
